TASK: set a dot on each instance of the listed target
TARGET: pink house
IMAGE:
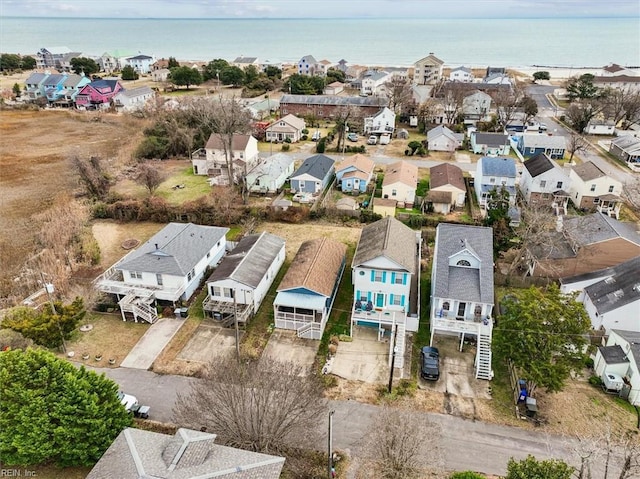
(98, 94)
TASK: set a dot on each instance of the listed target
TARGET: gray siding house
(313, 175)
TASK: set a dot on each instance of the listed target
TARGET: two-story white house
(386, 275)
(476, 107)
(593, 190)
(462, 288)
(382, 122)
(288, 128)
(545, 183)
(461, 74)
(373, 82)
(242, 279)
(141, 63)
(495, 173)
(621, 356)
(212, 159)
(168, 267)
(308, 65)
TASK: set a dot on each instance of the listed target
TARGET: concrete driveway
(363, 359)
(208, 343)
(151, 344)
(285, 345)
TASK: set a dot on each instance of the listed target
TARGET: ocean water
(501, 42)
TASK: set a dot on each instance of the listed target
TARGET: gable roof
(627, 142)
(99, 85)
(55, 79)
(446, 174)
(316, 266)
(387, 238)
(463, 69)
(588, 171)
(357, 161)
(633, 338)
(617, 290)
(318, 166)
(613, 67)
(140, 57)
(439, 197)
(431, 58)
(250, 260)
(490, 139)
(401, 172)
(174, 250)
(441, 130)
(544, 141)
(498, 166)
(272, 166)
(375, 75)
(458, 282)
(245, 60)
(538, 164)
(35, 78)
(309, 59)
(597, 227)
(238, 142)
(333, 100)
(294, 121)
(613, 354)
(134, 92)
(188, 454)
(73, 80)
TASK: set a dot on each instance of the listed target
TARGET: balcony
(469, 326)
(387, 315)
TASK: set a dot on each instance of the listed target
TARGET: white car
(316, 136)
(373, 139)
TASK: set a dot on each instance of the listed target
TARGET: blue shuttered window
(402, 300)
(404, 278)
(384, 276)
(393, 278)
(390, 299)
(373, 275)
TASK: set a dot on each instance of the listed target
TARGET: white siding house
(621, 356)
(495, 173)
(243, 278)
(386, 275)
(212, 159)
(442, 138)
(462, 288)
(592, 189)
(270, 175)
(382, 122)
(373, 82)
(168, 267)
(461, 74)
(133, 99)
(544, 183)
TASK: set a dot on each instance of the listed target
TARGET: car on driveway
(316, 136)
(352, 137)
(430, 363)
(373, 139)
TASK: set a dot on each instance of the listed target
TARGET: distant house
(50, 57)
(242, 279)
(599, 126)
(289, 127)
(244, 62)
(328, 106)
(621, 356)
(384, 207)
(97, 94)
(584, 244)
(133, 99)
(490, 144)
(354, 173)
(461, 74)
(613, 69)
(160, 75)
(593, 190)
(140, 63)
(334, 88)
(497, 79)
(373, 82)
(400, 183)
(114, 61)
(447, 189)
(270, 175)
(386, 275)
(442, 138)
(630, 83)
(188, 454)
(551, 145)
(462, 294)
(384, 121)
(313, 175)
(34, 86)
(53, 87)
(476, 107)
(428, 70)
(493, 174)
(212, 160)
(307, 291)
(168, 267)
(308, 65)
(544, 183)
(627, 148)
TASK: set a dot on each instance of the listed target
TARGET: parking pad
(363, 359)
(208, 343)
(285, 345)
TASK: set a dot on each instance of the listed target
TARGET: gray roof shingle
(389, 238)
(538, 164)
(250, 260)
(588, 171)
(613, 354)
(498, 166)
(317, 166)
(633, 338)
(490, 139)
(458, 282)
(597, 227)
(333, 100)
(174, 250)
(544, 141)
(617, 290)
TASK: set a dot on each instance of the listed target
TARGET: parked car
(373, 139)
(352, 137)
(316, 136)
(430, 364)
(131, 404)
(385, 139)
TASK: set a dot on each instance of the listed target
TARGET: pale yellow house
(384, 207)
(400, 182)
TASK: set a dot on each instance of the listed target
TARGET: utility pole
(330, 447)
(48, 287)
(235, 320)
(393, 356)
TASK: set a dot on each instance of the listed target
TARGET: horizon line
(315, 18)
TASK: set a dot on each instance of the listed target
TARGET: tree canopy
(232, 75)
(542, 331)
(85, 65)
(128, 73)
(185, 76)
(55, 412)
(582, 87)
(304, 84)
(543, 75)
(498, 218)
(531, 468)
(9, 61)
(214, 68)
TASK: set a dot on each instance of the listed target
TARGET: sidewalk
(149, 347)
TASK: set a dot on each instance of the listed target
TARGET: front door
(379, 300)
(461, 308)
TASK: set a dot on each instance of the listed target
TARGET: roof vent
(610, 280)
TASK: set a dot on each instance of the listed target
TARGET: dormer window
(463, 262)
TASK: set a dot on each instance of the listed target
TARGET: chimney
(157, 246)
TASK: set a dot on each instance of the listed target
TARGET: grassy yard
(195, 186)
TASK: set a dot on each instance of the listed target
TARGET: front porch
(112, 282)
(609, 205)
(560, 203)
(226, 312)
(304, 313)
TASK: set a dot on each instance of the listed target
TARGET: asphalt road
(465, 444)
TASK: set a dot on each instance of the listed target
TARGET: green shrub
(595, 380)
(286, 147)
(466, 475)
(305, 131)
(588, 362)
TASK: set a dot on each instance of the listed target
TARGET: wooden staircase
(400, 345)
(141, 308)
(483, 357)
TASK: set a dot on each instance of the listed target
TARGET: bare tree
(452, 100)
(266, 406)
(92, 174)
(427, 111)
(576, 144)
(506, 102)
(399, 94)
(344, 116)
(580, 114)
(396, 447)
(529, 108)
(150, 177)
(621, 104)
(631, 192)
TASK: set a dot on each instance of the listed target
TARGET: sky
(320, 9)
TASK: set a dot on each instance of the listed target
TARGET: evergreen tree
(530, 468)
(52, 411)
(173, 63)
(128, 73)
(85, 65)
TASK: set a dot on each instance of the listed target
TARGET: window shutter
(404, 278)
(390, 299)
(368, 295)
(402, 300)
(393, 277)
(384, 276)
(357, 295)
(373, 275)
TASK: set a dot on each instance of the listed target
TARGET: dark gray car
(430, 364)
